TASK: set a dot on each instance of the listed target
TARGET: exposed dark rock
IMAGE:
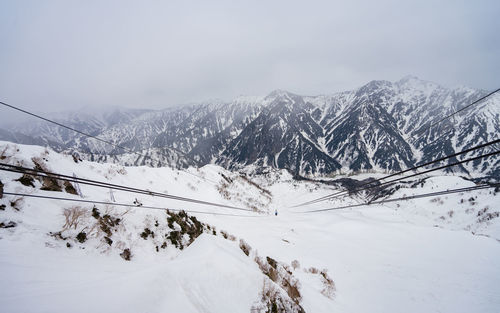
(27, 180)
(68, 187)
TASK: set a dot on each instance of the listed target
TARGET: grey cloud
(61, 54)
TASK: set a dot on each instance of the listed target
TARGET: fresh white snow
(412, 256)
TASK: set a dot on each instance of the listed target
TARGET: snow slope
(75, 281)
(384, 258)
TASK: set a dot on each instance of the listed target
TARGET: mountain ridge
(381, 126)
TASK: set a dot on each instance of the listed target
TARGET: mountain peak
(374, 85)
(414, 82)
(377, 126)
(279, 93)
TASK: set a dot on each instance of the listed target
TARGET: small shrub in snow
(485, 216)
(227, 236)
(328, 285)
(281, 275)
(107, 222)
(49, 183)
(224, 234)
(262, 265)
(483, 211)
(245, 247)
(189, 225)
(272, 300)
(3, 155)
(27, 180)
(126, 254)
(81, 237)
(15, 204)
(73, 217)
(108, 240)
(223, 191)
(472, 201)
(271, 262)
(174, 237)
(57, 235)
(10, 224)
(95, 213)
(170, 222)
(295, 264)
(68, 187)
(146, 233)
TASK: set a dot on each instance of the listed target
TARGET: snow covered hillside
(435, 254)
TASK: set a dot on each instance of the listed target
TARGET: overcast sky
(68, 54)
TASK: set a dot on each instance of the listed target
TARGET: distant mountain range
(382, 126)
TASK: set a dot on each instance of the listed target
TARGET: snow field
(384, 258)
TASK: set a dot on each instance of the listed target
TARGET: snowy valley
(437, 254)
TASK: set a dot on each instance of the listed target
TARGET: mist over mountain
(382, 126)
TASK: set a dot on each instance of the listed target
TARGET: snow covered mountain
(382, 126)
(99, 251)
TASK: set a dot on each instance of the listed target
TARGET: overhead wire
(425, 172)
(339, 193)
(428, 163)
(332, 196)
(41, 173)
(432, 124)
(101, 139)
(425, 195)
(123, 204)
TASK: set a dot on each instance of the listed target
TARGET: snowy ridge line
(424, 195)
(456, 112)
(25, 170)
(123, 204)
(341, 193)
(100, 139)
